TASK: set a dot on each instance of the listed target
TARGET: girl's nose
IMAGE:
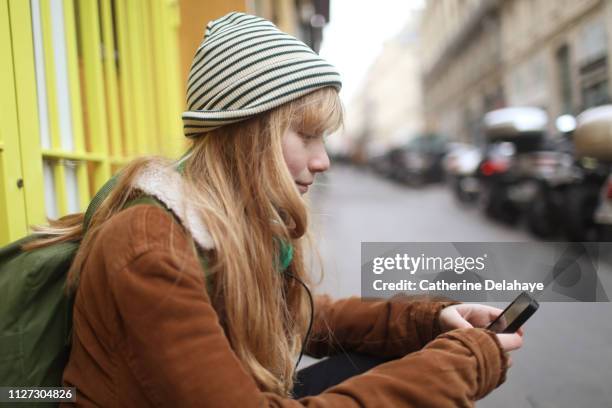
(319, 162)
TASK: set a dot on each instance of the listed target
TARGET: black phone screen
(515, 314)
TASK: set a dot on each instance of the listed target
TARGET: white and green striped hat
(246, 66)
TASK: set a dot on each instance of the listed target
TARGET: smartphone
(515, 315)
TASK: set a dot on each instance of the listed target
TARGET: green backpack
(36, 311)
(35, 314)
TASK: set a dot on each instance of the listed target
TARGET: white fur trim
(166, 184)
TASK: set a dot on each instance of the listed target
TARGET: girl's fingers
(479, 313)
(459, 322)
(486, 310)
(451, 319)
(493, 312)
(510, 341)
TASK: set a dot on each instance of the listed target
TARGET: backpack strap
(147, 199)
(97, 200)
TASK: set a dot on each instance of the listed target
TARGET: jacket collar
(166, 184)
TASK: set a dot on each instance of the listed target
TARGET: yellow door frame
(13, 219)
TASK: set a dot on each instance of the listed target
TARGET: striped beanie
(246, 66)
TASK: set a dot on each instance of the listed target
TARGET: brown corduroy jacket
(145, 334)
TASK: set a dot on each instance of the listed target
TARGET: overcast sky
(356, 33)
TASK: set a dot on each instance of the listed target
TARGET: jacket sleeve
(390, 328)
(177, 350)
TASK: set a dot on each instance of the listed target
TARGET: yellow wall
(87, 85)
(195, 14)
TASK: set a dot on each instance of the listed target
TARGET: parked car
(420, 161)
(380, 164)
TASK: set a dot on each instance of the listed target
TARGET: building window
(565, 78)
(594, 83)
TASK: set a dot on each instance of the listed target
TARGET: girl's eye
(307, 137)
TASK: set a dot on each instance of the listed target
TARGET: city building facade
(480, 55)
(388, 110)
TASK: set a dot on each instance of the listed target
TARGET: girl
(190, 282)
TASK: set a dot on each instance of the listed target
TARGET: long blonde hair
(237, 179)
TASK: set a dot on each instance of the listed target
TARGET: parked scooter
(554, 172)
(507, 171)
(603, 214)
(588, 203)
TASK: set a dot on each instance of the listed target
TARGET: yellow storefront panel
(92, 85)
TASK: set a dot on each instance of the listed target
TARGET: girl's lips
(302, 187)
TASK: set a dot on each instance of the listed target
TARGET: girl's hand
(470, 315)
(467, 315)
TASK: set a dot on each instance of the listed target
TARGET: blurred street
(565, 361)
